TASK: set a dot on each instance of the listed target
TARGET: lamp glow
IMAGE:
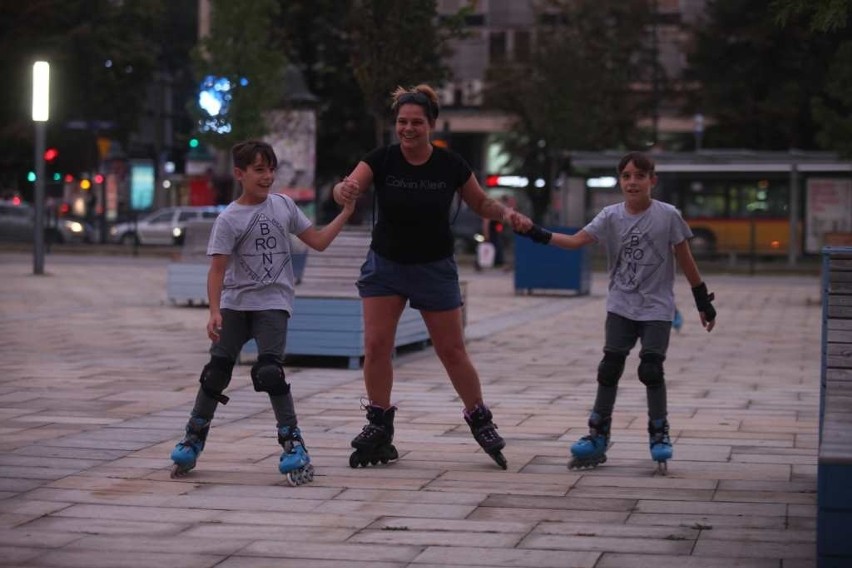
(41, 91)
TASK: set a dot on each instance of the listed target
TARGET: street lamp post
(41, 106)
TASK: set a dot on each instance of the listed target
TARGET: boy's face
(256, 180)
(636, 184)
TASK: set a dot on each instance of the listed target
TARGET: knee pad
(215, 378)
(651, 370)
(610, 369)
(268, 376)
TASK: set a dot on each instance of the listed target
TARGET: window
(497, 47)
(522, 45)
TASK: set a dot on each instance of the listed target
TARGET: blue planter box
(546, 267)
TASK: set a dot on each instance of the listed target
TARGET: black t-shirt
(414, 203)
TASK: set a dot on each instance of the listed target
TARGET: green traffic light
(31, 177)
(57, 176)
(193, 142)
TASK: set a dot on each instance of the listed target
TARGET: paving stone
(85, 440)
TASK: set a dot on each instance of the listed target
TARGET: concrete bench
(834, 469)
(327, 314)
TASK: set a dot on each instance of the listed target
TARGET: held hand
(537, 234)
(214, 327)
(348, 190)
(520, 223)
(704, 303)
(349, 206)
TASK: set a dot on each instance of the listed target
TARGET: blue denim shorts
(429, 286)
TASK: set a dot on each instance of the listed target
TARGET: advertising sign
(142, 181)
(828, 210)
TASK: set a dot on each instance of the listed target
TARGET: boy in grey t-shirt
(643, 238)
(250, 286)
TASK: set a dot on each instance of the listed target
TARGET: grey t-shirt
(640, 258)
(259, 275)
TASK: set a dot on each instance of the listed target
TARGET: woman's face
(412, 126)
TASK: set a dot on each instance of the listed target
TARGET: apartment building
(503, 30)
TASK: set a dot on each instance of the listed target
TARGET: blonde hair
(422, 95)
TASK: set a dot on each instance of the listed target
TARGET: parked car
(17, 223)
(162, 227)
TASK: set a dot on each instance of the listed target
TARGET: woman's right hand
(346, 190)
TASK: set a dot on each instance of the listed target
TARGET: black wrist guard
(703, 301)
(538, 235)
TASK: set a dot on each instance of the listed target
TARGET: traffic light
(31, 176)
(51, 154)
(193, 142)
(99, 178)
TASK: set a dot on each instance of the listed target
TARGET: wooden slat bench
(834, 470)
(327, 319)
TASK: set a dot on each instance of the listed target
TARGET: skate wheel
(500, 459)
(355, 460)
(178, 471)
(374, 461)
(300, 476)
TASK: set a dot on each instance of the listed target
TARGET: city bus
(738, 202)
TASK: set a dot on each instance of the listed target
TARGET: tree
(102, 60)
(763, 99)
(395, 43)
(577, 90)
(315, 39)
(832, 109)
(825, 15)
(240, 50)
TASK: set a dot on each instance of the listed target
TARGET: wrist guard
(703, 301)
(538, 235)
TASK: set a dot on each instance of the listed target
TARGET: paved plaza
(98, 372)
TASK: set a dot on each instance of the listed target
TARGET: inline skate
(660, 444)
(590, 451)
(485, 433)
(295, 463)
(186, 452)
(375, 442)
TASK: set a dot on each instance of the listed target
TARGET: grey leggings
(621, 336)
(269, 329)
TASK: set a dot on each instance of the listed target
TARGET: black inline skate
(375, 442)
(485, 433)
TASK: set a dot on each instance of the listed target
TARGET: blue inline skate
(660, 444)
(375, 442)
(295, 462)
(590, 451)
(485, 433)
(186, 451)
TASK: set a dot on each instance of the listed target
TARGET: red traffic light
(51, 154)
(99, 178)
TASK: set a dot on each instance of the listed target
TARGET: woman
(411, 259)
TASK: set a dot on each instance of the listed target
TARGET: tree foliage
(242, 47)
(577, 90)
(103, 55)
(772, 77)
(832, 109)
(395, 43)
(824, 15)
(317, 41)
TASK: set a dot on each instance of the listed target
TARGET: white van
(162, 227)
